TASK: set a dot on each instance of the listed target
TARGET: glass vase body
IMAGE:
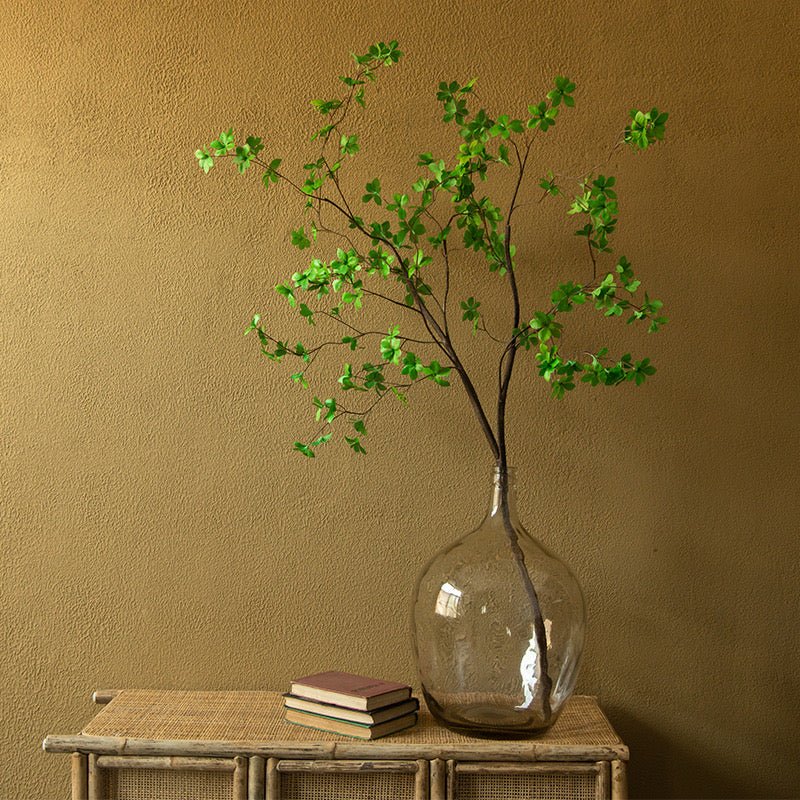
(482, 611)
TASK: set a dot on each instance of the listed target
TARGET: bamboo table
(165, 745)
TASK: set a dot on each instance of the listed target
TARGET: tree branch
(505, 380)
(439, 335)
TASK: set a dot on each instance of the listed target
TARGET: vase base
(488, 721)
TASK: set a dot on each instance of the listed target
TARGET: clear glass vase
(498, 627)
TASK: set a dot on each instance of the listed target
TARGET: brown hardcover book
(353, 729)
(350, 691)
(348, 714)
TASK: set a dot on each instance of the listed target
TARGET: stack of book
(351, 705)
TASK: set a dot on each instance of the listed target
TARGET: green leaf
(326, 409)
(346, 378)
(299, 377)
(351, 341)
(253, 324)
(562, 92)
(205, 160)
(374, 377)
(471, 313)
(304, 449)
(224, 144)
(391, 346)
(541, 116)
(568, 295)
(399, 395)
(412, 366)
(348, 145)
(355, 444)
(323, 132)
(255, 145)
(243, 158)
(373, 189)
(545, 326)
(271, 173)
(549, 185)
(326, 106)
(301, 351)
(300, 240)
(437, 373)
(307, 313)
(645, 129)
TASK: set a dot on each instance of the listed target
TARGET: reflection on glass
(447, 601)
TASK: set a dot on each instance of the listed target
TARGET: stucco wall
(157, 530)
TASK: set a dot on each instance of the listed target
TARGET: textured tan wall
(156, 529)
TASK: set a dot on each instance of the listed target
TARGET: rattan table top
(257, 717)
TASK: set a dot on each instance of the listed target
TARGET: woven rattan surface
(134, 784)
(362, 786)
(525, 787)
(258, 717)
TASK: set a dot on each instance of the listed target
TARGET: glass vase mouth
(510, 474)
(504, 491)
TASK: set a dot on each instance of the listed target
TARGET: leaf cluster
(407, 250)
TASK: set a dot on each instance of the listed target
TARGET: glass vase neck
(503, 481)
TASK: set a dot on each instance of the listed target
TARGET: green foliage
(402, 253)
(391, 346)
(374, 377)
(625, 272)
(300, 240)
(470, 308)
(412, 366)
(545, 326)
(355, 444)
(549, 185)
(598, 371)
(437, 373)
(645, 129)
(373, 192)
(567, 296)
(348, 145)
(326, 106)
(504, 127)
(300, 377)
(542, 117)
(326, 409)
(454, 101)
(271, 173)
(205, 159)
(380, 53)
(247, 152)
(563, 92)
(304, 449)
(224, 144)
(307, 313)
(598, 201)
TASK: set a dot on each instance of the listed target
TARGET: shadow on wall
(662, 769)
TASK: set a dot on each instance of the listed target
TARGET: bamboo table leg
(603, 780)
(438, 779)
(619, 781)
(422, 783)
(240, 778)
(255, 778)
(451, 779)
(273, 780)
(97, 789)
(80, 776)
